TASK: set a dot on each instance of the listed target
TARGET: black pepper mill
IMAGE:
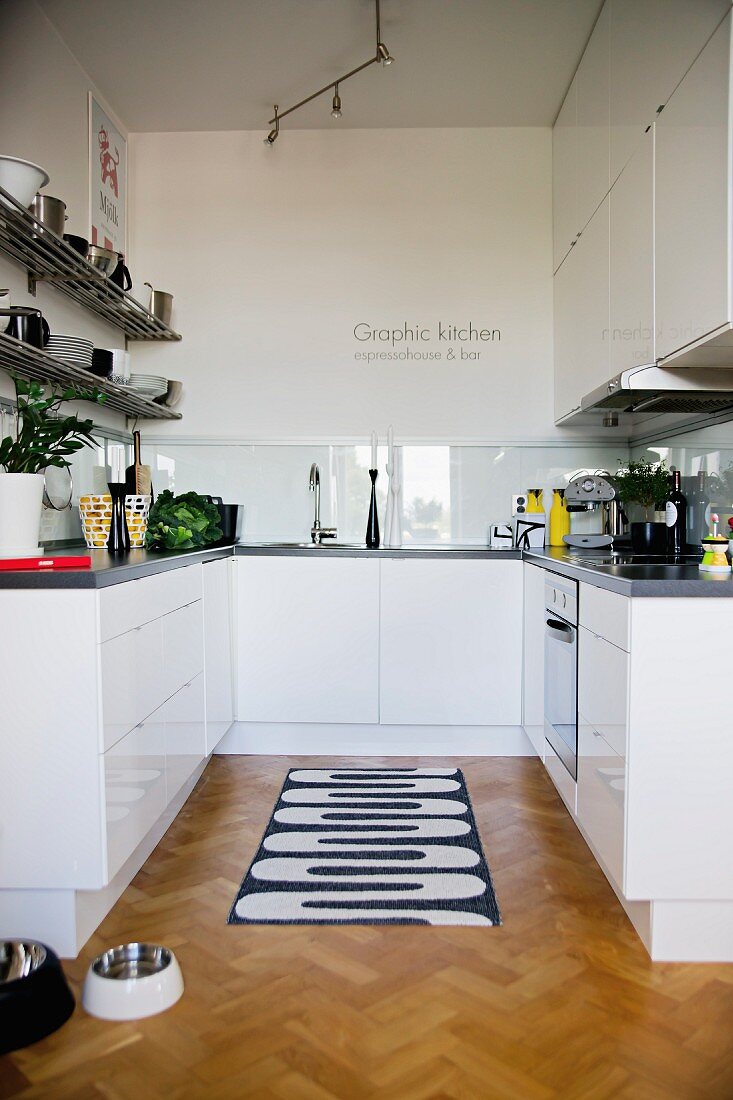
(372, 534)
(118, 541)
(119, 535)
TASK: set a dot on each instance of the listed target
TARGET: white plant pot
(21, 502)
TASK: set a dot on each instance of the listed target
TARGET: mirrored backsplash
(450, 493)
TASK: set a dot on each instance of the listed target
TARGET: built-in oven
(561, 669)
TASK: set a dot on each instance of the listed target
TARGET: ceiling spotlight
(274, 133)
(383, 54)
(336, 107)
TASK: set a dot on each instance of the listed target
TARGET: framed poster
(107, 180)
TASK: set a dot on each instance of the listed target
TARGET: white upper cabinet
(565, 177)
(593, 115)
(582, 316)
(652, 45)
(632, 261)
(692, 249)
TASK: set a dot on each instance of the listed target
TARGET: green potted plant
(646, 484)
(43, 438)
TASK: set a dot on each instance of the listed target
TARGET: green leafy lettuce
(182, 522)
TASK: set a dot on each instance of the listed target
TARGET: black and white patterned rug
(369, 846)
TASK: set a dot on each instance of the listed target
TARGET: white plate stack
(71, 349)
(148, 385)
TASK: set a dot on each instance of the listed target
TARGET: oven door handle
(559, 631)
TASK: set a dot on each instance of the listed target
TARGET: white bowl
(21, 179)
(132, 981)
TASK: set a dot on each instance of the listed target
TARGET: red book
(48, 562)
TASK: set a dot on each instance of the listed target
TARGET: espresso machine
(590, 492)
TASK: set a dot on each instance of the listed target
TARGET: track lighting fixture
(275, 132)
(382, 54)
(336, 108)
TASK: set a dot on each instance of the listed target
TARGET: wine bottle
(703, 505)
(676, 516)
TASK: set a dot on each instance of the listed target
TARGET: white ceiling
(221, 64)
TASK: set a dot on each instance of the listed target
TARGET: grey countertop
(107, 569)
(649, 580)
(632, 580)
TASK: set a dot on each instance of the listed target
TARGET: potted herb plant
(645, 484)
(43, 438)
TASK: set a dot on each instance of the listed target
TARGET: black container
(102, 362)
(649, 538)
(231, 521)
(35, 998)
(28, 325)
(79, 244)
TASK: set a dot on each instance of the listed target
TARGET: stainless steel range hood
(658, 390)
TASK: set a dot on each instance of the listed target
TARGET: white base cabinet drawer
(605, 614)
(132, 676)
(603, 688)
(124, 607)
(135, 789)
(185, 734)
(601, 797)
(183, 647)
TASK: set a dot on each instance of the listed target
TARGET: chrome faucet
(318, 532)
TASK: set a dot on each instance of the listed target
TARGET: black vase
(649, 538)
(372, 533)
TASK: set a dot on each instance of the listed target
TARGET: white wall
(275, 254)
(43, 118)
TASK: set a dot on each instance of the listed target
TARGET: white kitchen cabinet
(109, 754)
(593, 114)
(184, 723)
(307, 639)
(134, 788)
(652, 45)
(132, 679)
(451, 642)
(218, 649)
(533, 656)
(632, 261)
(183, 647)
(565, 177)
(582, 316)
(603, 704)
(692, 196)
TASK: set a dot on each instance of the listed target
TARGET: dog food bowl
(35, 998)
(132, 981)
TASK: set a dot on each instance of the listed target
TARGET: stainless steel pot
(104, 259)
(161, 304)
(50, 212)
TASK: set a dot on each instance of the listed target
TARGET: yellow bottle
(534, 500)
(559, 518)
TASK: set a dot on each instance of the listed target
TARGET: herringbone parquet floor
(561, 1002)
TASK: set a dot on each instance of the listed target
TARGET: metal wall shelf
(48, 258)
(28, 362)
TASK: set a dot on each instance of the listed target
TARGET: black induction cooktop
(629, 558)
